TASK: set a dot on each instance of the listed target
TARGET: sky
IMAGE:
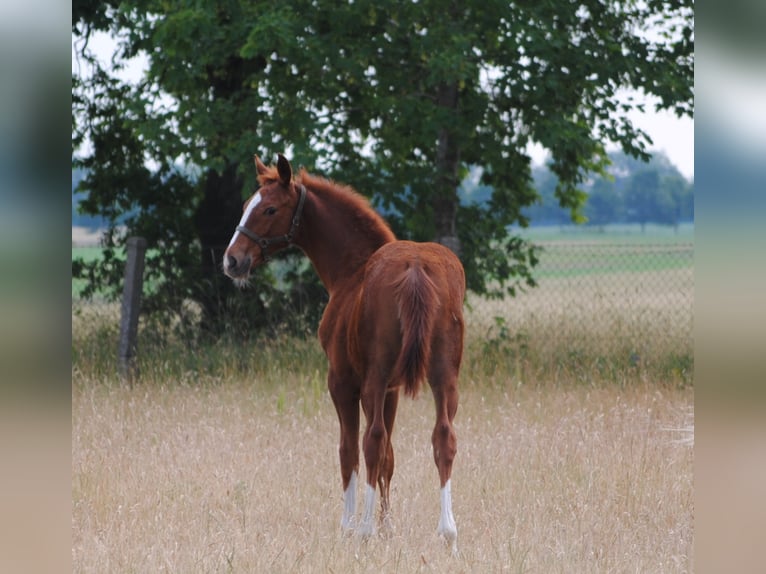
(672, 135)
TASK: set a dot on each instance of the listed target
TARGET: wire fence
(634, 299)
(630, 301)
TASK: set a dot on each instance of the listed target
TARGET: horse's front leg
(346, 401)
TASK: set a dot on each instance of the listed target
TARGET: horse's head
(269, 221)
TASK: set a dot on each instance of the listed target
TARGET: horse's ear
(259, 167)
(284, 169)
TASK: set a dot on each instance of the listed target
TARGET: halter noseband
(264, 242)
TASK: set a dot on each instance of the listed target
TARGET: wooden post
(131, 304)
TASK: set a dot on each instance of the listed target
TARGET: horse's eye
(270, 210)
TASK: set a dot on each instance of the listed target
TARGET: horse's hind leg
(444, 440)
(387, 464)
(375, 445)
(346, 401)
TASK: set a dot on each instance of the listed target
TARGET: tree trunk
(445, 199)
(215, 219)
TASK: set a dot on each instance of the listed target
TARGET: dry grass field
(242, 476)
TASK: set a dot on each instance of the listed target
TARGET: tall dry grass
(242, 476)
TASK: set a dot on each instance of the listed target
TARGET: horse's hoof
(386, 527)
(365, 531)
(450, 539)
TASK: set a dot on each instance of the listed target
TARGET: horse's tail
(417, 302)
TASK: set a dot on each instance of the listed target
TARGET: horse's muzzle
(236, 269)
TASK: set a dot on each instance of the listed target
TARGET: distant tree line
(630, 192)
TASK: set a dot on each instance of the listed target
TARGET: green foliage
(502, 351)
(397, 99)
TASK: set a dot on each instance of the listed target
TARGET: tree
(189, 107)
(604, 204)
(638, 192)
(546, 210)
(681, 196)
(645, 201)
(398, 99)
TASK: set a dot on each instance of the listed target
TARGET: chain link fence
(616, 302)
(603, 304)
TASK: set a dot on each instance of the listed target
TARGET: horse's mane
(352, 202)
(344, 196)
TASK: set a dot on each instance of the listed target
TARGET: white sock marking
(250, 207)
(367, 527)
(447, 526)
(349, 504)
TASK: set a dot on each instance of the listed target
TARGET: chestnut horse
(394, 318)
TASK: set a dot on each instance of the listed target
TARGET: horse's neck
(336, 245)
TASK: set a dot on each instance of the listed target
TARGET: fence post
(131, 303)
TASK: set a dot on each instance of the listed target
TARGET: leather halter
(264, 242)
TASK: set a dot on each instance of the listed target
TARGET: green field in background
(618, 233)
(570, 251)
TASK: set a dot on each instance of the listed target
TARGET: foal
(394, 318)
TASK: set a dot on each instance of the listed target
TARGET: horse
(394, 318)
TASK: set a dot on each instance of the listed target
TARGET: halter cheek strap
(265, 242)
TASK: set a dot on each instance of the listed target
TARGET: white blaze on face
(349, 504)
(250, 207)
